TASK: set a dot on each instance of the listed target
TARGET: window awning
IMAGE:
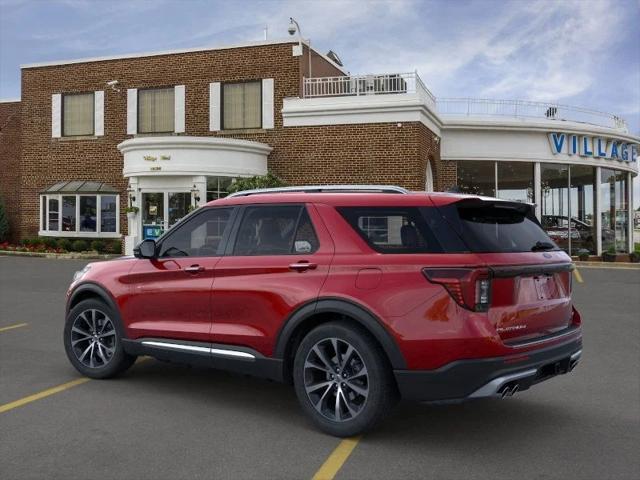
(80, 186)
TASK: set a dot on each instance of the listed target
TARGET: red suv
(355, 295)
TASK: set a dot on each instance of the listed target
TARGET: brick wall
(10, 160)
(367, 153)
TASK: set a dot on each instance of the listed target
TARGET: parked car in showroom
(356, 295)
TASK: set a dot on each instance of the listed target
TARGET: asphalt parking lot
(162, 421)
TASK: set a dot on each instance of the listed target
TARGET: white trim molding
(268, 119)
(132, 111)
(98, 112)
(179, 109)
(184, 155)
(56, 115)
(398, 108)
(214, 107)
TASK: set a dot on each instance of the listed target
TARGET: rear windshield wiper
(542, 246)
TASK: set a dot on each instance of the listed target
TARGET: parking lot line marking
(43, 394)
(11, 327)
(576, 273)
(334, 463)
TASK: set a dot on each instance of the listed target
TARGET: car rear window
(402, 229)
(494, 227)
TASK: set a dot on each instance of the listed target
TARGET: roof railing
(324, 189)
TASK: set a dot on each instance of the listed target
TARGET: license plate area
(546, 287)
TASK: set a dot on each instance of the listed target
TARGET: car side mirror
(145, 249)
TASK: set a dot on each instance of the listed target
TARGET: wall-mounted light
(132, 197)
(195, 193)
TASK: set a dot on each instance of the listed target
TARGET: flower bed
(63, 245)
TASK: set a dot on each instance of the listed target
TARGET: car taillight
(469, 287)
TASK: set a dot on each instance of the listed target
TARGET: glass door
(153, 214)
(162, 210)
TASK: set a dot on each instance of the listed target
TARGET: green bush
(4, 223)
(26, 242)
(65, 244)
(259, 181)
(79, 246)
(98, 246)
(114, 247)
(48, 242)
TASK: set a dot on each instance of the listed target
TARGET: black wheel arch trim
(345, 307)
(97, 290)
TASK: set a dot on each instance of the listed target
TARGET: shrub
(4, 223)
(65, 244)
(259, 181)
(48, 242)
(79, 246)
(98, 246)
(114, 246)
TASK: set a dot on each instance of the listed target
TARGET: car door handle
(303, 266)
(194, 269)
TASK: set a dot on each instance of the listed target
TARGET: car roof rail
(324, 189)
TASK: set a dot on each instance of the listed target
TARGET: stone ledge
(61, 256)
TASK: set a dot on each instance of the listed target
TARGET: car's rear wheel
(342, 379)
(92, 340)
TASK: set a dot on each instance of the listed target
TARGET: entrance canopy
(80, 186)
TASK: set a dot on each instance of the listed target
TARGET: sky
(577, 52)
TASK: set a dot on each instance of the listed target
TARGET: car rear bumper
(488, 377)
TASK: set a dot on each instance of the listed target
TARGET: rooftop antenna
(266, 32)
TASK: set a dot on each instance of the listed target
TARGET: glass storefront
(568, 204)
(614, 195)
(554, 205)
(477, 178)
(515, 181)
(582, 202)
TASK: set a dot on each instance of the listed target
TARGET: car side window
(200, 236)
(275, 230)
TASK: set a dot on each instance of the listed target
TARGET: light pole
(293, 28)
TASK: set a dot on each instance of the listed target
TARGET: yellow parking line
(334, 463)
(52, 391)
(11, 327)
(45, 393)
(576, 273)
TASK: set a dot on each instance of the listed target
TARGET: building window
(614, 194)
(218, 187)
(554, 180)
(75, 215)
(515, 181)
(582, 201)
(78, 114)
(242, 105)
(477, 177)
(156, 110)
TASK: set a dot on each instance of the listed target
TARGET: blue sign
(151, 231)
(597, 147)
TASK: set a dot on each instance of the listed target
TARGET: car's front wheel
(342, 379)
(92, 340)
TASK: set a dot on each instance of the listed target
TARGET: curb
(59, 256)
(613, 265)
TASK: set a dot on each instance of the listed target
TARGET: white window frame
(77, 233)
(179, 111)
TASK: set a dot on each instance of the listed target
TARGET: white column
(598, 215)
(133, 224)
(537, 188)
(200, 182)
(630, 212)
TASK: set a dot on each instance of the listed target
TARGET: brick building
(167, 131)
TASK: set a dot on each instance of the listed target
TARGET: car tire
(357, 391)
(93, 340)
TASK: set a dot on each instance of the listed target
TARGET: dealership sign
(588, 146)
